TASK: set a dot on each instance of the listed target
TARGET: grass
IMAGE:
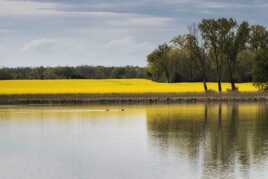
(106, 86)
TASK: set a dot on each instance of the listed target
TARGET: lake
(186, 141)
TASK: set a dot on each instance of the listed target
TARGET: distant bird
(107, 109)
(122, 109)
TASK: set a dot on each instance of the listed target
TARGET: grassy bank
(124, 86)
(131, 98)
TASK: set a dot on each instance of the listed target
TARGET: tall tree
(226, 28)
(260, 70)
(159, 61)
(198, 52)
(258, 37)
(209, 30)
(236, 42)
(216, 33)
(190, 43)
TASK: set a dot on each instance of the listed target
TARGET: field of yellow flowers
(107, 86)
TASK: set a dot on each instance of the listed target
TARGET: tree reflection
(224, 138)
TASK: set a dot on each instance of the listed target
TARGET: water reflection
(225, 140)
(186, 141)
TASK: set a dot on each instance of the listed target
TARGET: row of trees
(215, 50)
(79, 72)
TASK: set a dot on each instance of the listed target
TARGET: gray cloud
(104, 32)
(40, 45)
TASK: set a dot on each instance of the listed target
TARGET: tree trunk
(205, 79)
(219, 86)
(205, 85)
(233, 85)
(231, 71)
(232, 79)
(202, 62)
(218, 67)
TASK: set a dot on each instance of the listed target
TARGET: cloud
(4, 30)
(117, 52)
(10, 7)
(104, 32)
(142, 21)
(128, 46)
(144, 5)
(39, 45)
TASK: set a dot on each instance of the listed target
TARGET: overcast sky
(104, 32)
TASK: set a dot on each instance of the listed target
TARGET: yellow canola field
(107, 86)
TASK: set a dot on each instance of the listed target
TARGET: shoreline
(132, 98)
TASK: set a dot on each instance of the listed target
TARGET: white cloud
(46, 51)
(102, 32)
(81, 7)
(39, 45)
(5, 30)
(128, 46)
(8, 7)
(141, 21)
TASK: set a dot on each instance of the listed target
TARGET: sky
(104, 32)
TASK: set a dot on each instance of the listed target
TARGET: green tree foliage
(260, 70)
(235, 43)
(245, 61)
(196, 52)
(258, 37)
(160, 63)
(215, 33)
(210, 30)
(5, 74)
(171, 64)
(80, 72)
(226, 52)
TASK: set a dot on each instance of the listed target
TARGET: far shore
(145, 98)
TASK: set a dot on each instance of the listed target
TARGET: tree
(199, 53)
(215, 33)
(236, 42)
(260, 70)
(159, 62)
(258, 37)
(245, 61)
(209, 28)
(79, 72)
(5, 74)
(37, 73)
(226, 52)
(190, 43)
(226, 32)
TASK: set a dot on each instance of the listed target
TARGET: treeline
(79, 72)
(218, 50)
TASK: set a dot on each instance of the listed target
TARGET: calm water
(143, 142)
